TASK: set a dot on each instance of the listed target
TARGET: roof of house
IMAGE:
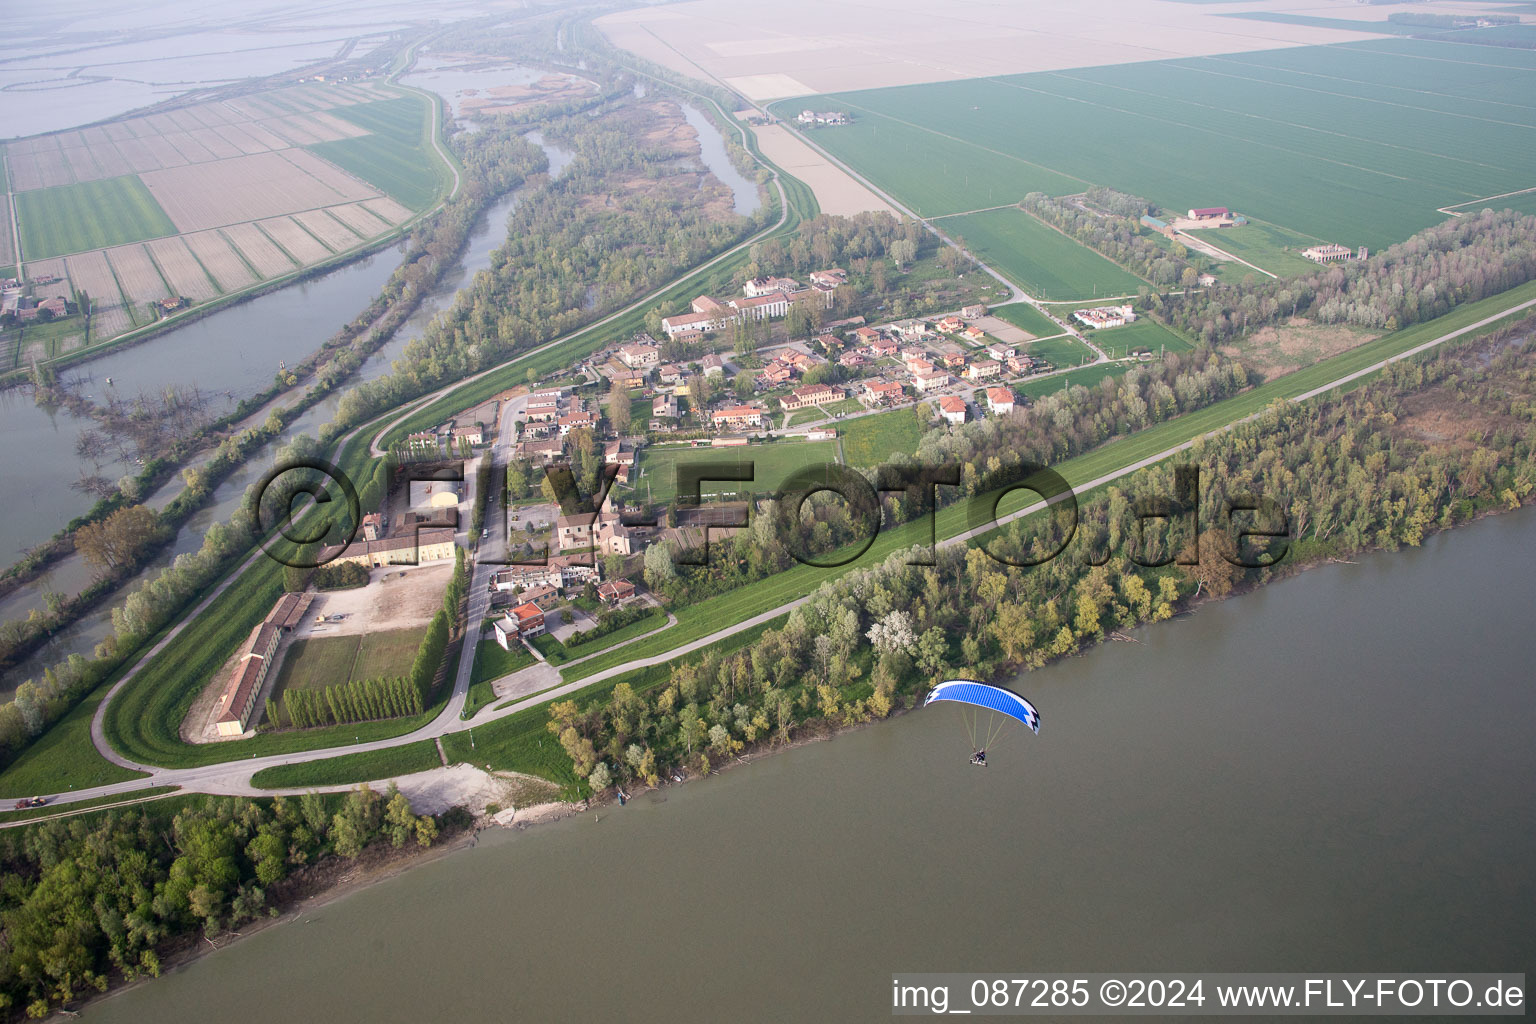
(399, 542)
(240, 686)
(949, 403)
(1210, 211)
(524, 612)
(999, 396)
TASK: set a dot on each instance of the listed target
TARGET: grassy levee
(715, 613)
(521, 742)
(63, 758)
(81, 806)
(407, 759)
(143, 720)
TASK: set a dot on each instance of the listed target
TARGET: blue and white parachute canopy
(994, 698)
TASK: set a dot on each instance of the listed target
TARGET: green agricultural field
(1026, 317)
(1356, 143)
(398, 157)
(1145, 332)
(88, 215)
(1267, 246)
(1062, 352)
(772, 463)
(869, 441)
(54, 337)
(1524, 203)
(1038, 258)
(315, 663)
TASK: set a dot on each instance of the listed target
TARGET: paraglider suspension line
(995, 725)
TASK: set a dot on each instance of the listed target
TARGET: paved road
(235, 777)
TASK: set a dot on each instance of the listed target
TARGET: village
(727, 374)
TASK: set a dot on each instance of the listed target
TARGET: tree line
(1056, 427)
(1116, 233)
(94, 899)
(577, 248)
(357, 700)
(1461, 260)
(1349, 473)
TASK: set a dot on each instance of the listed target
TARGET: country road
(234, 777)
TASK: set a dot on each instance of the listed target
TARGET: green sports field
(1086, 377)
(1144, 333)
(1037, 258)
(89, 215)
(397, 157)
(772, 463)
(1061, 352)
(1356, 143)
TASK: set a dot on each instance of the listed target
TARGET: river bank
(336, 879)
(1299, 777)
(309, 889)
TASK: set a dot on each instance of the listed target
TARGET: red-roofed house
(1000, 401)
(811, 394)
(952, 409)
(735, 417)
(882, 392)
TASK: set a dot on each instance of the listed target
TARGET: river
(744, 192)
(1330, 774)
(218, 348)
